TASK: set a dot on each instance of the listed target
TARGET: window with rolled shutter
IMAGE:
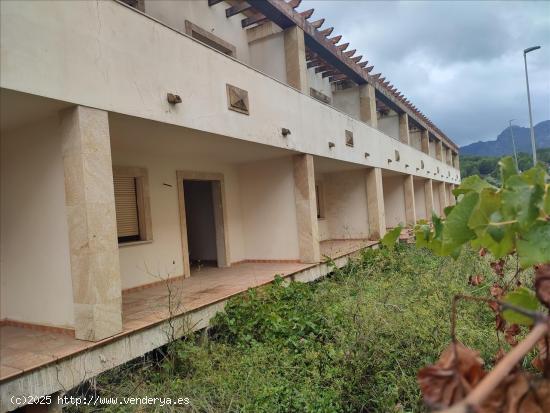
(127, 218)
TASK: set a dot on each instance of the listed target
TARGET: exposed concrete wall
(35, 269)
(212, 19)
(268, 209)
(394, 200)
(346, 204)
(432, 149)
(268, 55)
(437, 201)
(389, 125)
(347, 101)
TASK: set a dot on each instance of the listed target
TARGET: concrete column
(375, 203)
(404, 135)
(452, 200)
(429, 198)
(442, 196)
(306, 208)
(425, 142)
(439, 150)
(410, 208)
(367, 105)
(295, 56)
(91, 217)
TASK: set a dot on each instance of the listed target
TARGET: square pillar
(375, 204)
(295, 57)
(439, 150)
(306, 208)
(410, 208)
(429, 198)
(91, 217)
(425, 142)
(404, 135)
(442, 196)
(367, 105)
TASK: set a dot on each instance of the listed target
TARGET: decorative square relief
(237, 99)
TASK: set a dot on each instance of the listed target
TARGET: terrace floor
(24, 349)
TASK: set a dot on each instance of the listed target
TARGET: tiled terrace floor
(24, 349)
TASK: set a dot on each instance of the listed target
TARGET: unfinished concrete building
(203, 145)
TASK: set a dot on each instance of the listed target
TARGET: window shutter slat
(126, 207)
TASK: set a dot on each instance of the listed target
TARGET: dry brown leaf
(475, 280)
(542, 283)
(498, 267)
(540, 361)
(510, 334)
(449, 380)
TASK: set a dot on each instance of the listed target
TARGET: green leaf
(456, 231)
(534, 246)
(524, 299)
(448, 210)
(488, 204)
(521, 201)
(507, 168)
(422, 233)
(472, 184)
(546, 202)
(391, 237)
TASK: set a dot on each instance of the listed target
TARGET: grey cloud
(461, 63)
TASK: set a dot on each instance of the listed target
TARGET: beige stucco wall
(394, 200)
(346, 204)
(420, 199)
(130, 71)
(347, 101)
(269, 208)
(212, 19)
(432, 148)
(389, 125)
(318, 82)
(163, 151)
(34, 255)
(416, 139)
(268, 55)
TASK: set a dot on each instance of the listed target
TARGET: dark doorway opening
(201, 223)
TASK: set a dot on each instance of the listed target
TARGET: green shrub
(352, 342)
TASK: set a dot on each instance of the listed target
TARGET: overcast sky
(461, 63)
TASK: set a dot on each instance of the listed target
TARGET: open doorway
(203, 222)
(201, 226)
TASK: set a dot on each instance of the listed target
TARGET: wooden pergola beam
(249, 21)
(236, 9)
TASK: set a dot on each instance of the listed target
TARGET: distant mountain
(503, 144)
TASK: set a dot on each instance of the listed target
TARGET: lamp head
(530, 49)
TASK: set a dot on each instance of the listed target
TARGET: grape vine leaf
(456, 231)
(534, 246)
(392, 236)
(521, 298)
(472, 184)
(507, 168)
(521, 200)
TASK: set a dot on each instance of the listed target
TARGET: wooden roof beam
(318, 23)
(213, 2)
(236, 9)
(255, 19)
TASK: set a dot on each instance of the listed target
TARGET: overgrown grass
(352, 342)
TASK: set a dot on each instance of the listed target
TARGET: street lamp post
(514, 144)
(533, 146)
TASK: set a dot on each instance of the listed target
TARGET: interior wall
(269, 208)
(201, 226)
(389, 125)
(394, 200)
(163, 151)
(268, 55)
(210, 18)
(420, 199)
(35, 272)
(346, 204)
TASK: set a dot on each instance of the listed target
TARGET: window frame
(220, 45)
(141, 177)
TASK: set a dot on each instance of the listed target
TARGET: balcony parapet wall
(108, 56)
